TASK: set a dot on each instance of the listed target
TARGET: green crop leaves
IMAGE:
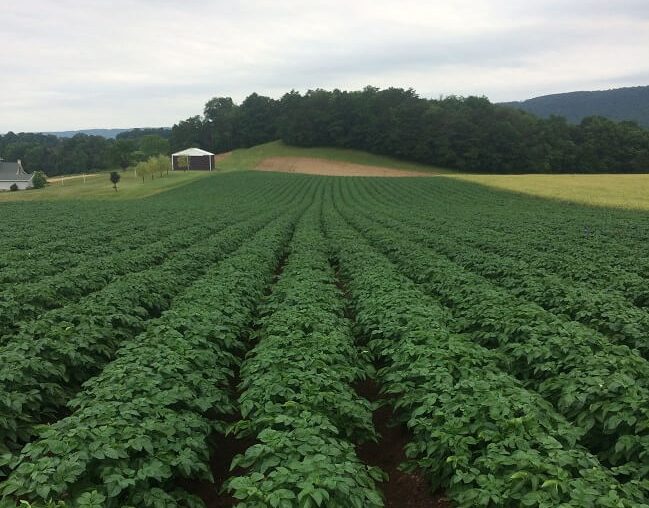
(297, 396)
(508, 344)
(144, 422)
(472, 425)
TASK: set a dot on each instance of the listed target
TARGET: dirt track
(313, 166)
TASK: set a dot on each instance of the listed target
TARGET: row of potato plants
(144, 424)
(49, 357)
(46, 248)
(601, 232)
(53, 255)
(606, 311)
(601, 387)
(476, 431)
(562, 245)
(298, 400)
(571, 264)
(26, 301)
(569, 240)
(20, 251)
(45, 363)
(522, 264)
(104, 230)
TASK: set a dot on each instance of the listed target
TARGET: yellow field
(99, 187)
(619, 191)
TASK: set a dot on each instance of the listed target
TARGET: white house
(13, 173)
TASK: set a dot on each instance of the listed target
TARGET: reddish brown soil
(314, 166)
(225, 449)
(402, 490)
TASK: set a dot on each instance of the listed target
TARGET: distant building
(13, 173)
(192, 159)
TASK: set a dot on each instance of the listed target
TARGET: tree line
(82, 152)
(463, 133)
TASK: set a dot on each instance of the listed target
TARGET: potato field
(234, 341)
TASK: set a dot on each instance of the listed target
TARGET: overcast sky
(73, 64)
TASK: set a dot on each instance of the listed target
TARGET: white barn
(13, 173)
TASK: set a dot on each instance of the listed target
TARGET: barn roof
(13, 172)
(193, 152)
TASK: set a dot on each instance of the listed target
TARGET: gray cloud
(67, 64)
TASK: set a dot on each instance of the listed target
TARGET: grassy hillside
(248, 158)
(630, 103)
(99, 187)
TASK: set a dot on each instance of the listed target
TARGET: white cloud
(67, 64)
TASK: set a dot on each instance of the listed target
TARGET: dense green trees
(56, 156)
(464, 133)
(469, 134)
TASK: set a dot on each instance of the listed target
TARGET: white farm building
(192, 159)
(13, 173)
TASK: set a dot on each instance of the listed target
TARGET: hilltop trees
(257, 120)
(468, 134)
(190, 132)
(463, 133)
(221, 117)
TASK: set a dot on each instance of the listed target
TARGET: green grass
(249, 158)
(100, 187)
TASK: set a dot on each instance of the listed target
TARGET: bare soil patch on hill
(221, 157)
(313, 166)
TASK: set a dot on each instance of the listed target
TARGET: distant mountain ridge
(630, 103)
(106, 133)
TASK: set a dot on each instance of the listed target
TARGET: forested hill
(104, 133)
(461, 133)
(114, 133)
(619, 104)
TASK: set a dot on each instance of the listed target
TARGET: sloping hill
(277, 156)
(630, 103)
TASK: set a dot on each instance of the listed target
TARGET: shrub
(39, 180)
(14, 187)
